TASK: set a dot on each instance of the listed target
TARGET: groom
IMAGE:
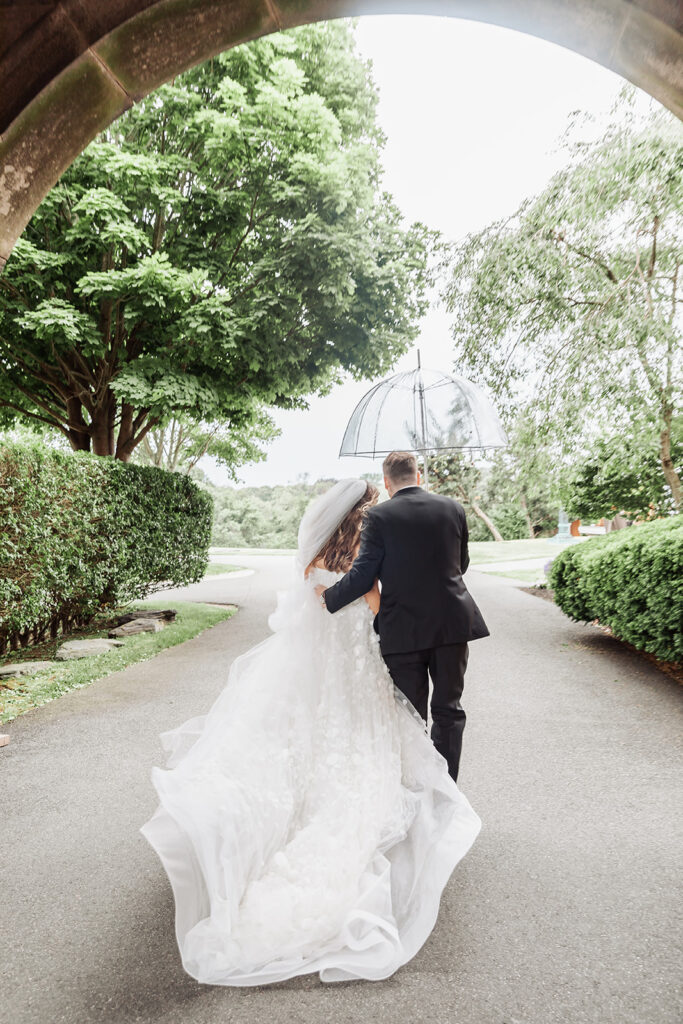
(416, 544)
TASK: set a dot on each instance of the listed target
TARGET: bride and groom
(307, 823)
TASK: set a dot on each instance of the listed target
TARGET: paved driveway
(563, 911)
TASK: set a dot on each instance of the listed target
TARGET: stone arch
(68, 68)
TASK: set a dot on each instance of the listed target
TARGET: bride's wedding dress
(307, 823)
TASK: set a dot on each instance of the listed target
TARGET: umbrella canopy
(422, 411)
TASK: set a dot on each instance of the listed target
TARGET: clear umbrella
(424, 411)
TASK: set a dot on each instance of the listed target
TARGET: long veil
(324, 515)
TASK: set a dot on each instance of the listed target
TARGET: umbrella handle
(423, 419)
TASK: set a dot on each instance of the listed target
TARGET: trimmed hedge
(630, 580)
(80, 532)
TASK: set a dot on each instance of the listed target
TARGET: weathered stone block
(167, 614)
(24, 668)
(138, 626)
(73, 649)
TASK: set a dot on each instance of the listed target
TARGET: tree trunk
(485, 519)
(102, 426)
(525, 510)
(161, 446)
(174, 446)
(123, 441)
(670, 475)
(159, 453)
(79, 434)
(131, 430)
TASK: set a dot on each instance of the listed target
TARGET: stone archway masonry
(68, 68)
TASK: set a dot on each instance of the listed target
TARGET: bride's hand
(373, 597)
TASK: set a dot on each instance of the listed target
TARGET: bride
(307, 823)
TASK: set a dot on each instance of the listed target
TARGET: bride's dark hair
(340, 549)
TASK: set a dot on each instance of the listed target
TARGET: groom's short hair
(400, 466)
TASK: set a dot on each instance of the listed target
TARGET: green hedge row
(632, 581)
(79, 533)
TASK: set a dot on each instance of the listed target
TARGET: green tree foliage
(225, 246)
(180, 443)
(621, 475)
(456, 476)
(577, 297)
(506, 496)
(261, 517)
(516, 490)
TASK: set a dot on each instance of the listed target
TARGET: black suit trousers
(446, 665)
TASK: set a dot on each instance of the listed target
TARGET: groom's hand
(320, 591)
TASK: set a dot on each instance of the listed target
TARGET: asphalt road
(564, 910)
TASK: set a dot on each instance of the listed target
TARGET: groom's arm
(362, 574)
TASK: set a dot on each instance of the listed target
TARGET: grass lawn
(252, 551)
(218, 568)
(483, 551)
(21, 693)
(525, 575)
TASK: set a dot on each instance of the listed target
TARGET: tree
(620, 475)
(178, 445)
(577, 297)
(265, 517)
(524, 475)
(455, 477)
(518, 489)
(224, 246)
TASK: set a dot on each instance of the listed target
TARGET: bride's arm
(373, 597)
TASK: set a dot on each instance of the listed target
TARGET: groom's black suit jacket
(416, 543)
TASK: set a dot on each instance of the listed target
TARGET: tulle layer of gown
(306, 823)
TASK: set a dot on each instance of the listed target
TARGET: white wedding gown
(307, 823)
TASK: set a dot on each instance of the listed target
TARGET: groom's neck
(393, 488)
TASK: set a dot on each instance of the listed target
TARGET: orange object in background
(574, 528)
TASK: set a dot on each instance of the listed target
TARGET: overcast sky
(472, 115)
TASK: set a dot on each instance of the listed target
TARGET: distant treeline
(269, 517)
(261, 517)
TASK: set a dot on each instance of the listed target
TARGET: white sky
(472, 115)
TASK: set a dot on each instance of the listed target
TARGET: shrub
(510, 521)
(630, 580)
(79, 533)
